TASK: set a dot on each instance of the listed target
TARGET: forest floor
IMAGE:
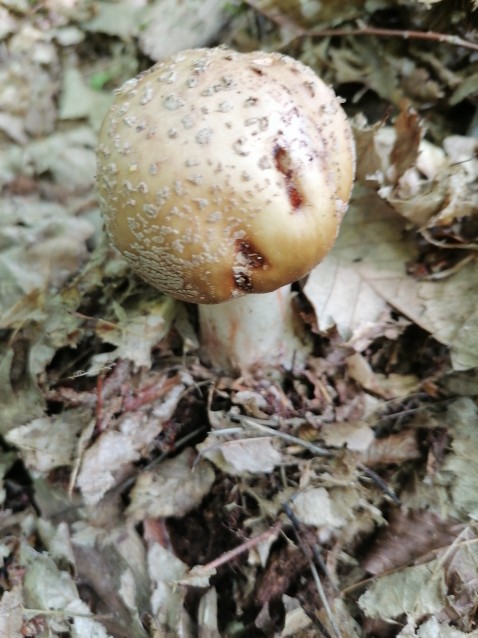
(145, 494)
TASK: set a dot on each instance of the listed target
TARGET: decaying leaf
(99, 375)
(172, 489)
(296, 619)
(192, 23)
(414, 591)
(50, 442)
(207, 614)
(136, 331)
(47, 587)
(346, 288)
(243, 455)
(407, 537)
(165, 570)
(460, 472)
(328, 509)
(354, 436)
(11, 613)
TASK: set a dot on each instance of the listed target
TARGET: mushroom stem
(253, 333)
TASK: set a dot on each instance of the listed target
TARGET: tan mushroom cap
(224, 173)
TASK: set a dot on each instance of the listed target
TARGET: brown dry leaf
(174, 488)
(387, 386)
(462, 575)
(366, 269)
(345, 290)
(309, 13)
(367, 62)
(18, 405)
(414, 591)
(354, 436)
(408, 536)
(457, 328)
(102, 464)
(426, 184)
(43, 245)
(394, 449)
(369, 161)
(69, 156)
(408, 136)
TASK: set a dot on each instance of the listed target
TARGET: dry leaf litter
(144, 494)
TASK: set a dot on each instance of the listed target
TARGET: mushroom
(223, 178)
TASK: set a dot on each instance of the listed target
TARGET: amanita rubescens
(223, 175)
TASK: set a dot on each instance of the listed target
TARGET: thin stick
(282, 20)
(247, 421)
(434, 36)
(240, 549)
(315, 574)
(378, 480)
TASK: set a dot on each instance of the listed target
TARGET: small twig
(247, 421)
(318, 583)
(444, 244)
(434, 36)
(281, 20)
(63, 613)
(99, 400)
(128, 482)
(240, 549)
(380, 482)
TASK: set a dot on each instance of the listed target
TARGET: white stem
(253, 333)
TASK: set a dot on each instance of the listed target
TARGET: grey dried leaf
(414, 591)
(174, 488)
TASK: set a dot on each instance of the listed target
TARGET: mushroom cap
(224, 173)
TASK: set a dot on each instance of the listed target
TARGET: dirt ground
(146, 493)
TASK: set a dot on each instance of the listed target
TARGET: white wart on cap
(224, 173)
